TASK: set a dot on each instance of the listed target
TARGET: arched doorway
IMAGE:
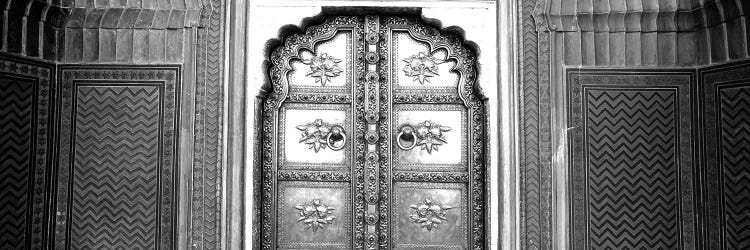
(373, 136)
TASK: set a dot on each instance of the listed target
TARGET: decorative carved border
(384, 125)
(426, 98)
(431, 176)
(535, 140)
(206, 204)
(42, 76)
(318, 98)
(297, 175)
(169, 78)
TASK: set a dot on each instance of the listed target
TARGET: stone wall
(578, 180)
(156, 59)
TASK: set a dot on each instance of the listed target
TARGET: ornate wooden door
(373, 137)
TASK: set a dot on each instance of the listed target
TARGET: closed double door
(373, 137)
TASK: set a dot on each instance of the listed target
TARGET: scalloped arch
(290, 30)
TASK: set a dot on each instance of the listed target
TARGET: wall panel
(24, 123)
(631, 161)
(117, 170)
(726, 109)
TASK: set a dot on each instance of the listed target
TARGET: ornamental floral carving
(427, 135)
(323, 67)
(319, 135)
(314, 215)
(421, 67)
(429, 214)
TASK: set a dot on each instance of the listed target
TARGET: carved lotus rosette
(315, 215)
(429, 214)
(421, 67)
(323, 67)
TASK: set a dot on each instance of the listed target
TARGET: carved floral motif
(421, 67)
(429, 214)
(428, 135)
(319, 135)
(316, 214)
(323, 67)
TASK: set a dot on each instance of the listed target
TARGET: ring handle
(407, 130)
(337, 131)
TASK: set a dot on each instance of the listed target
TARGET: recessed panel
(315, 136)
(314, 215)
(415, 65)
(16, 124)
(429, 137)
(330, 65)
(429, 215)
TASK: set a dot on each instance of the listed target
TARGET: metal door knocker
(337, 138)
(428, 135)
(406, 134)
(319, 135)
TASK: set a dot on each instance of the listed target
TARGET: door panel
(437, 126)
(439, 143)
(442, 207)
(308, 139)
(299, 227)
(373, 138)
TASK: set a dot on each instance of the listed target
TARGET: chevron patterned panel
(117, 144)
(16, 107)
(631, 169)
(734, 120)
(115, 182)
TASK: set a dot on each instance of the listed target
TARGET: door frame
(245, 83)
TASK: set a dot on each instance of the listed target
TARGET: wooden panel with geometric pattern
(631, 154)
(117, 158)
(24, 124)
(726, 100)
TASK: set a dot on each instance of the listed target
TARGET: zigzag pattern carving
(206, 212)
(116, 166)
(631, 169)
(16, 108)
(735, 159)
(530, 214)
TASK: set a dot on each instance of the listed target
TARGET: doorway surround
(253, 24)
